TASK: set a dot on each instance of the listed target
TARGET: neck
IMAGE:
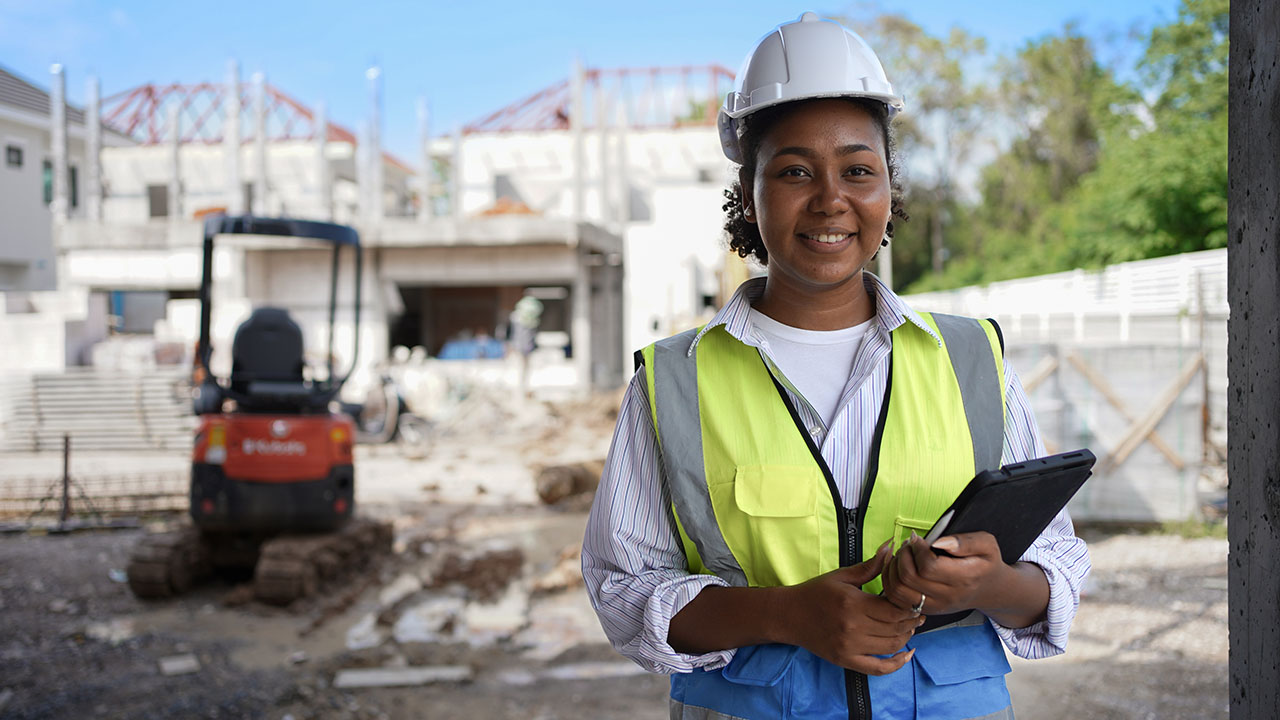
(832, 308)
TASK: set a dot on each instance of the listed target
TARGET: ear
(746, 185)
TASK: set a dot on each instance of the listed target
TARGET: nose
(828, 195)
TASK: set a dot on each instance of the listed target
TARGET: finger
(895, 591)
(901, 630)
(968, 544)
(872, 665)
(866, 571)
(923, 557)
(884, 610)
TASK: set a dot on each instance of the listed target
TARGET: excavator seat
(267, 364)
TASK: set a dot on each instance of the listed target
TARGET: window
(13, 156)
(73, 183)
(158, 201)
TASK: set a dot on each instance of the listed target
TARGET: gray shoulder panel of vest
(675, 387)
(974, 363)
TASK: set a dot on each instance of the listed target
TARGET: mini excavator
(272, 474)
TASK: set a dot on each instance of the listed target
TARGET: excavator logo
(258, 446)
(279, 429)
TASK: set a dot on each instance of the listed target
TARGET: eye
(859, 170)
(794, 171)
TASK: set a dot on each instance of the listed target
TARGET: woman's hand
(971, 576)
(829, 616)
(834, 619)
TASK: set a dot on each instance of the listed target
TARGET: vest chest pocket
(773, 518)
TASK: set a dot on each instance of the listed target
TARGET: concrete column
(260, 144)
(455, 176)
(428, 167)
(884, 264)
(60, 205)
(175, 166)
(93, 151)
(1253, 332)
(602, 138)
(621, 175)
(580, 325)
(576, 110)
(231, 140)
(324, 180)
(364, 210)
(374, 74)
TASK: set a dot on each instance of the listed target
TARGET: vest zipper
(857, 687)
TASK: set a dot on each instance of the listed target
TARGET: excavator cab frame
(314, 395)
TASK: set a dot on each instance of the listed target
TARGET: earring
(748, 211)
(884, 242)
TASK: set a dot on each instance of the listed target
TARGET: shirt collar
(891, 311)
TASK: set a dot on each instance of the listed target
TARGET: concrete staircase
(100, 410)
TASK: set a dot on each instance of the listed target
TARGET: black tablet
(1017, 502)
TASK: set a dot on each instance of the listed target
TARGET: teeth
(828, 239)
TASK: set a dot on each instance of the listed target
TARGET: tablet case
(1015, 504)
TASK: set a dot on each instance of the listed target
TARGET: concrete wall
(26, 244)
(674, 248)
(292, 181)
(1254, 345)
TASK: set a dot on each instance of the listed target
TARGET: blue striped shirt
(632, 561)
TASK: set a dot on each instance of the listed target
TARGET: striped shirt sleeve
(632, 562)
(1063, 556)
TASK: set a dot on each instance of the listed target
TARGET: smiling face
(821, 198)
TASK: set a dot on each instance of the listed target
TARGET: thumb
(867, 570)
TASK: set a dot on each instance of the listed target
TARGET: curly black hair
(744, 237)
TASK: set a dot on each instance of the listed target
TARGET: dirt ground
(483, 579)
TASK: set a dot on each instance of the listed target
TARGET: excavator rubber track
(295, 566)
(288, 567)
(167, 564)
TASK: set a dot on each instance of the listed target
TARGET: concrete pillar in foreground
(93, 151)
(231, 140)
(1253, 373)
(60, 205)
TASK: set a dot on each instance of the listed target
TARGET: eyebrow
(811, 154)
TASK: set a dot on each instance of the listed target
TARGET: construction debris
(567, 572)
(179, 665)
(114, 631)
(558, 482)
(485, 575)
(400, 677)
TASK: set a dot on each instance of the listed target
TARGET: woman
(754, 534)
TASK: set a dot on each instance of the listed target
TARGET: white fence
(1130, 361)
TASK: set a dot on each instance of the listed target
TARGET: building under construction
(599, 196)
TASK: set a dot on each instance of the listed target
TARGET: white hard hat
(808, 58)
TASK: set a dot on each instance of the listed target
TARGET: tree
(943, 125)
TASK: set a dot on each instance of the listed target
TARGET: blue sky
(468, 60)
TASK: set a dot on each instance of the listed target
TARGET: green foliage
(1097, 171)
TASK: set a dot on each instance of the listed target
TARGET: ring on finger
(919, 607)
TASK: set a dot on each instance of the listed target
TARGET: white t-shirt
(817, 362)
